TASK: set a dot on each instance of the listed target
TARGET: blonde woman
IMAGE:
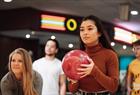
(21, 79)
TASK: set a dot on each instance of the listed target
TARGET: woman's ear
(99, 34)
(56, 51)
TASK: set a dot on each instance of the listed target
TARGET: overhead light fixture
(53, 37)
(28, 36)
(33, 32)
(112, 43)
(7, 0)
(70, 45)
(134, 12)
(124, 46)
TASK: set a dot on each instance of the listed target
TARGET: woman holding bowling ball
(101, 75)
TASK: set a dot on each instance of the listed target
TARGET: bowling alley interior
(29, 23)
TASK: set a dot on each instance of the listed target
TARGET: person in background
(21, 79)
(51, 71)
(133, 73)
(101, 76)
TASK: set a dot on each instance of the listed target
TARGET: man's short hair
(56, 42)
(136, 43)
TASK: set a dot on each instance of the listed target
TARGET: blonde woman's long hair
(27, 76)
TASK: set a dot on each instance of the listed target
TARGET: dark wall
(8, 44)
(22, 18)
(29, 18)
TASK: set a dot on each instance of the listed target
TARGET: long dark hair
(103, 39)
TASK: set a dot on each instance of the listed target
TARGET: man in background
(133, 74)
(50, 69)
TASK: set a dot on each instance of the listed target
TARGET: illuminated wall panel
(53, 22)
(125, 36)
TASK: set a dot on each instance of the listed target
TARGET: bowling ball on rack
(71, 61)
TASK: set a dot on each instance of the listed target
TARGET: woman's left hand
(85, 69)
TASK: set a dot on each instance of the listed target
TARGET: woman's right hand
(86, 69)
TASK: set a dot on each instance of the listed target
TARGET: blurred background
(23, 24)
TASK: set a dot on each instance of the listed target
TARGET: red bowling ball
(71, 61)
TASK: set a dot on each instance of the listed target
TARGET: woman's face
(17, 64)
(89, 33)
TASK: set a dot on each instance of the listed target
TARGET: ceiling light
(28, 36)
(7, 0)
(33, 32)
(70, 45)
(52, 37)
(124, 46)
(112, 44)
(134, 13)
